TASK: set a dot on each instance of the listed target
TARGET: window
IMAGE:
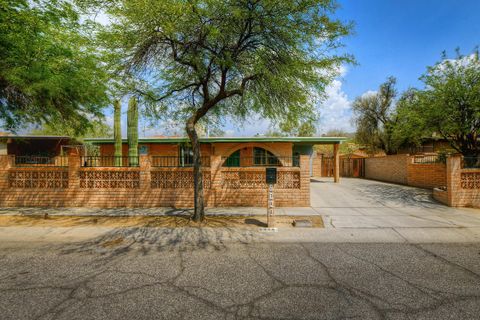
(262, 157)
(233, 160)
(185, 158)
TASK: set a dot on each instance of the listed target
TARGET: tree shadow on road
(145, 240)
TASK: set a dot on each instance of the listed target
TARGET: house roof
(32, 137)
(296, 140)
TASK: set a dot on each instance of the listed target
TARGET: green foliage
(450, 103)
(234, 58)
(117, 131)
(132, 130)
(215, 58)
(376, 119)
(49, 71)
(305, 129)
(96, 129)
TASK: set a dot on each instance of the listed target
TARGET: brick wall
(463, 185)
(317, 165)
(389, 168)
(144, 186)
(402, 169)
(428, 176)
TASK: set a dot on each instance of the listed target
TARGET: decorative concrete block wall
(463, 185)
(144, 186)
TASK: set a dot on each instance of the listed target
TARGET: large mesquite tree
(212, 58)
(50, 71)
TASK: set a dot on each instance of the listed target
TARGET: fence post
(336, 163)
(454, 166)
(145, 169)
(305, 179)
(73, 168)
(5, 164)
(215, 179)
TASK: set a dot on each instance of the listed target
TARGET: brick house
(235, 151)
(233, 171)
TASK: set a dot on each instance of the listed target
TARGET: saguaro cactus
(132, 131)
(117, 132)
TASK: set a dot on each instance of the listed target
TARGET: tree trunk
(199, 209)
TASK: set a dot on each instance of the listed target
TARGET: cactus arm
(117, 132)
(132, 131)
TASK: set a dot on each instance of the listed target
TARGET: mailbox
(271, 175)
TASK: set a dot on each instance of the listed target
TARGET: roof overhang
(295, 140)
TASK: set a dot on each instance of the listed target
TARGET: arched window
(262, 157)
(256, 157)
(233, 160)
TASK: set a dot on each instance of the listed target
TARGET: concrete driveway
(366, 204)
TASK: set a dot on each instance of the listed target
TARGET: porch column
(74, 164)
(145, 166)
(336, 163)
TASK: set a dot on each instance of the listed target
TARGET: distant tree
(304, 129)
(49, 70)
(216, 132)
(376, 118)
(338, 133)
(449, 105)
(273, 132)
(227, 57)
(96, 129)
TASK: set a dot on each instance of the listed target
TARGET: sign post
(271, 179)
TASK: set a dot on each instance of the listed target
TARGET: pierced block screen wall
(38, 179)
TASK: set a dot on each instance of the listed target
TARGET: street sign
(271, 175)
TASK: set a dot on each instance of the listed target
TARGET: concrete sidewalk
(39, 235)
(233, 211)
(355, 210)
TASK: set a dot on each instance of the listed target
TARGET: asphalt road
(185, 274)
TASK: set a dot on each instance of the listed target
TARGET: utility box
(271, 175)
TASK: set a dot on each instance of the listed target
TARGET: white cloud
(249, 128)
(369, 93)
(336, 109)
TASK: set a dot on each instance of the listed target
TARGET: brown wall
(402, 169)
(144, 186)
(428, 176)
(390, 168)
(463, 185)
(317, 165)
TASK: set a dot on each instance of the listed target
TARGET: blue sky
(402, 37)
(391, 37)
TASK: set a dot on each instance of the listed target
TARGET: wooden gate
(349, 167)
